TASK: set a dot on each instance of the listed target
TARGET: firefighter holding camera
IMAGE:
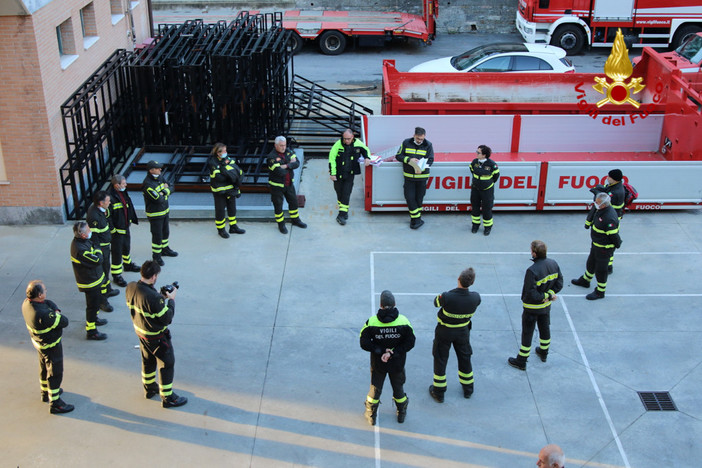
(152, 311)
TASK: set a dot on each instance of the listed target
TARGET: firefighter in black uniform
(151, 313)
(605, 239)
(156, 192)
(343, 166)
(388, 336)
(225, 178)
(453, 328)
(122, 214)
(281, 163)
(615, 190)
(101, 226)
(415, 153)
(45, 325)
(87, 268)
(542, 281)
(482, 189)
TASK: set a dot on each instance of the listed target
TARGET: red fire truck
(575, 24)
(554, 136)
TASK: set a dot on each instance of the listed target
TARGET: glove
(587, 226)
(617, 245)
(238, 194)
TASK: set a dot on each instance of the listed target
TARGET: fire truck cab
(576, 24)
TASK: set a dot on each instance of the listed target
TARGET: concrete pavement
(266, 343)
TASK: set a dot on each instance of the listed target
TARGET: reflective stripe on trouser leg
(400, 400)
(279, 217)
(475, 220)
(166, 390)
(440, 382)
(545, 344)
(524, 351)
(465, 379)
(232, 220)
(148, 379)
(293, 214)
(416, 213)
(220, 223)
(487, 222)
(601, 287)
(342, 208)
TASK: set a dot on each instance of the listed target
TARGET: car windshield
(692, 49)
(468, 59)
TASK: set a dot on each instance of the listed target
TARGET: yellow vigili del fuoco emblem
(618, 68)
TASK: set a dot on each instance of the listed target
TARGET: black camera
(169, 288)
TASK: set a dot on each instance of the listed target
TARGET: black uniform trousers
(159, 233)
(158, 351)
(224, 204)
(121, 245)
(93, 299)
(397, 381)
(444, 338)
(481, 202)
(105, 287)
(596, 266)
(51, 371)
(415, 189)
(531, 320)
(278, 194)
(343, 188)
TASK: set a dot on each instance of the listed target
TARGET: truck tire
(684, 33)
(296, 42)
(570, 38)
(332, 43)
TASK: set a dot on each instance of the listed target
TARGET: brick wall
(33, 86)
(495, 16)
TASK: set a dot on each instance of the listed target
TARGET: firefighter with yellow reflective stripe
(45, 325)
(416, 155)
(151, 314)
(101, 227)
(388, 337)
(482, 189)
(604, 234)
(156, 192)
(122, 215)
(225, 179)
(281, 163)
(615, 190)
(87, 268)
(542, 281)
(344, 164)
(456, 309)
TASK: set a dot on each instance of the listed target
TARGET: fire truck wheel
(684, 33)
(332, 43)
(570, 38)
(296, 42)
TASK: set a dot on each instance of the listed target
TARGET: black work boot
(235, 229)
(119, 281)
(402, 410)
(468, 391)
(519, 362)
(131, 266)
(150, 391)
(581, 282)
(542, 353)
(169, 252)
(298, 222)
(59, 407)
(474, 228)
(486, 231)
(158, 259)
(436, 395)
(371, 412)
(173, 401)
(282, 228)
(594, 295)
(340, 219)
(223, 233)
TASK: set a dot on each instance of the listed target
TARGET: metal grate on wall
(657, 401)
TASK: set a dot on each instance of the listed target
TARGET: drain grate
(657, 401)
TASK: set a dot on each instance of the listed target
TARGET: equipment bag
(630, 194)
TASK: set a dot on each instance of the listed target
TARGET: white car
(502, 57)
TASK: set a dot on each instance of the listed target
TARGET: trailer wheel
(684, 33)
(570, 38)
(332, 43)
(296, 42)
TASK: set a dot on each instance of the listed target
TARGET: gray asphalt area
(266, 342)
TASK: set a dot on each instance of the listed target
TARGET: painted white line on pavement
(594, 384)
(525, 253)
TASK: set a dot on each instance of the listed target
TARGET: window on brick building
(117, 10)
(88, 25)
(66, 43)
